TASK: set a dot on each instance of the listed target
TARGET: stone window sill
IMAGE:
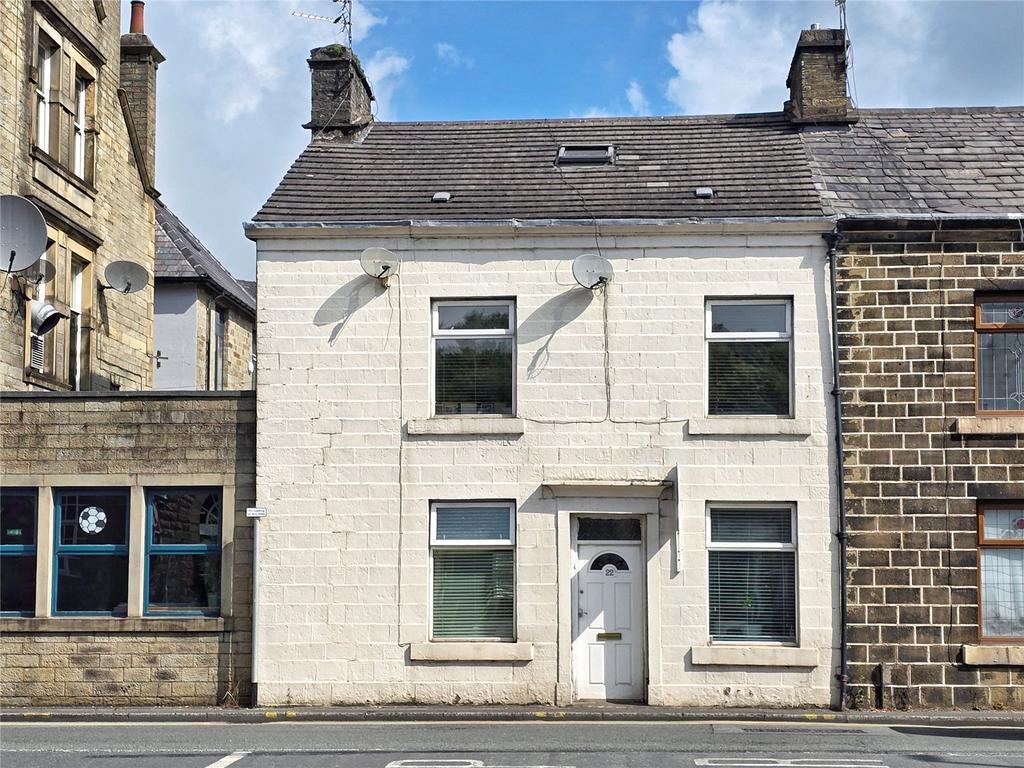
(994, 655)
(990, 425)
(753, 656)
(467, 425)
(470, 652)
(31, 625)
(82, 185)
(749, 425)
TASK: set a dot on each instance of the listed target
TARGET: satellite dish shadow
(339, 307)
(550, 317)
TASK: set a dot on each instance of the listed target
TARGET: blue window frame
(18, 551)
(183, 548)
(90, 551)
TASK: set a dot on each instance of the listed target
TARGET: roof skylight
(585, 154)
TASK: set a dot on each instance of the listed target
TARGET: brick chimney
(341, 95)
(817, 78)
(139, 60)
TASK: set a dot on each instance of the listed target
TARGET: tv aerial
(592, 271)
(22, 233)
(343, 19)
(125, 277)
(379, 263)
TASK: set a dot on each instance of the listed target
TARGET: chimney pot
(138, 23)
(817, 78)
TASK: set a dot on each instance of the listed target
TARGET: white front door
(608, 631)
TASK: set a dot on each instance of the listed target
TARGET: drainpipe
(832, 240)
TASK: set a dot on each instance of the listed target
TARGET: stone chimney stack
(817, 78)
(341, 95)
(139, 60)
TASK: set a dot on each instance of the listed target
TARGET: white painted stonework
(344, 368)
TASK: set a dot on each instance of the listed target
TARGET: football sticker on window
(92, 520)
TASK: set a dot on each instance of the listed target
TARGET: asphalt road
(505, 745)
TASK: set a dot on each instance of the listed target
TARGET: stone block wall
(344, 371)
(138, 441)
(913, 476)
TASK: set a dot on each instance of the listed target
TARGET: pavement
(543, 743)
(490, 713)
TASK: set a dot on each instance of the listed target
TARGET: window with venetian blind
(752, 574)
(473, 571)
(749, 356)
(474, 357)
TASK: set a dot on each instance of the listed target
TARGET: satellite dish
(22, 233)
(379, 263)
(592, 271)
(40, 272)
(125, 277)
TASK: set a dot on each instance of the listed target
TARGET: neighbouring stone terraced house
(124, 549)
(931, 331)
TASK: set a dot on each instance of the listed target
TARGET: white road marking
(227, 760)
(799, 762)
(441, 763)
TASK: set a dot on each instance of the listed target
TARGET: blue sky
(234, 90)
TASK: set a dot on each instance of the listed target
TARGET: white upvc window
(472, 547)
(44, 64)
(752, 582)
(474, 357)
(81, 90)
(749, 357)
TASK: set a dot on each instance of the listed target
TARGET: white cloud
(363, 20)
(250, 53)
(637, 101)
(734, 56)
(452, 56)
(384, 71)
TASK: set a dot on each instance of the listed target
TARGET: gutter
(254, 229)
(832, 239)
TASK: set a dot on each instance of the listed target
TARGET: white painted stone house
(488, 484)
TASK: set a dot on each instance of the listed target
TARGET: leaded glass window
(999, 323)
(1001, 565)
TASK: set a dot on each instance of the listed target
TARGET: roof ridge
(197, 248)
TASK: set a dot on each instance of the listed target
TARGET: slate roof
(922, 161)
(180, 255)
(958, 160)
(499, 170)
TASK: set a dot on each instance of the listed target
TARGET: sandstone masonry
(135, 441)
(916, 470)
